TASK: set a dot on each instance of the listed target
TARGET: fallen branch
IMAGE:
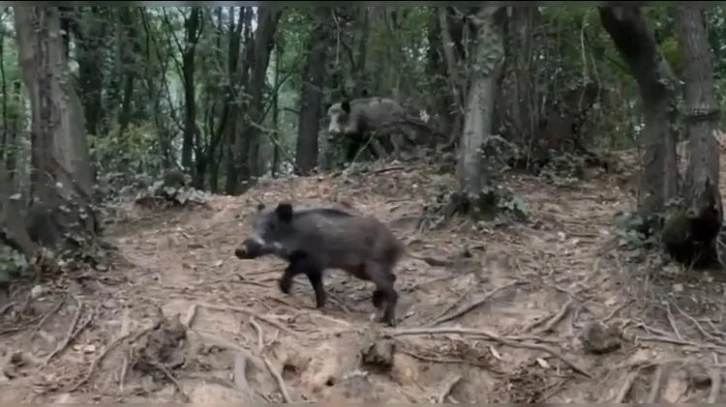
(448, 387)
(625, 389)
(715, 386)
(556, 318)
(46, 316)
(70, 334)
(280, 382)
(171, 377)
(504, 341)
(655, 385)
(260, 334)
(103, 354)
(474, 305)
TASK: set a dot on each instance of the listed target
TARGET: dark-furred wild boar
(316, 239)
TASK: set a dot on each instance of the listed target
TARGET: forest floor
(512, 317)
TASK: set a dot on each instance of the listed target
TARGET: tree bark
(306, 154)
(192, 35)
(697, 244)
(486, 62)
(634, 39)
(61, 177)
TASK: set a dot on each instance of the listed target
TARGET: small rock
(37, 291)
(598, 338)
(378, 355)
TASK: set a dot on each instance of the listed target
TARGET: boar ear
(345, 106)
(284, 211)
(260, 206)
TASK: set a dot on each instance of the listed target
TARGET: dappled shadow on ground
(543, 311)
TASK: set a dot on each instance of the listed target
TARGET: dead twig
(46, 316)
(448, 387)
(699, 326)
(280, 382)
(504, 341)
(260, 334)
(715, 386)
(249, 313)
(6, 307)
(625, 389)
(616, 310)
(70, 334)
(171, 377)
(556, 318)
(672, 321)
(474, 305)
(189, 317)
(105, 352)
(655, 385)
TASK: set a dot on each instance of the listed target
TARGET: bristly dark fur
(315, 239)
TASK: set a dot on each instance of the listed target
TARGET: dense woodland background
(100, 102)
(548, 156)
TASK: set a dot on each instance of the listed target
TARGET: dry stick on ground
(105, 352)
(260, 335)
(70, 334)
(655, 385)
(189, 317)
(448, 387)
(715, 386)
(629, 380)
(673, 322)
(171, 377)
(504, 341)
(616, 310)
(249, 313)
(278, 378)
(556, 318)
(46, 316)
(6, 307)
(699, 326)
(474, 305)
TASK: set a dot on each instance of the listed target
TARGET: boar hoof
(285, 285)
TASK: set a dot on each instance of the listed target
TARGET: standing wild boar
(360, 118)
(315, 239)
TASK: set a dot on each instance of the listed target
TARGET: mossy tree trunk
(700, 189)
(61, 173)
(634, 39)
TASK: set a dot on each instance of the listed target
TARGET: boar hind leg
(380, 275)
(305, 265)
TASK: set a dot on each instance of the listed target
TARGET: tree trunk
(268, 17)
(486, 62)
(697, 244)
(311, 98)
(237, 165)
(192, 25)
(276, 113)
(61, 177)
(634, 39)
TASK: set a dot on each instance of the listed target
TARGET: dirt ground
(543, 311)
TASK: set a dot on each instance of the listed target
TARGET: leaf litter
(542, 311)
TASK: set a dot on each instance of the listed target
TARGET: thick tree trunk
(61, 177)
(704, 213)
(311, 98)
(486, 61)
(634, 39)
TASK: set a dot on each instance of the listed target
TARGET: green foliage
(12, 264)
(638, 231)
